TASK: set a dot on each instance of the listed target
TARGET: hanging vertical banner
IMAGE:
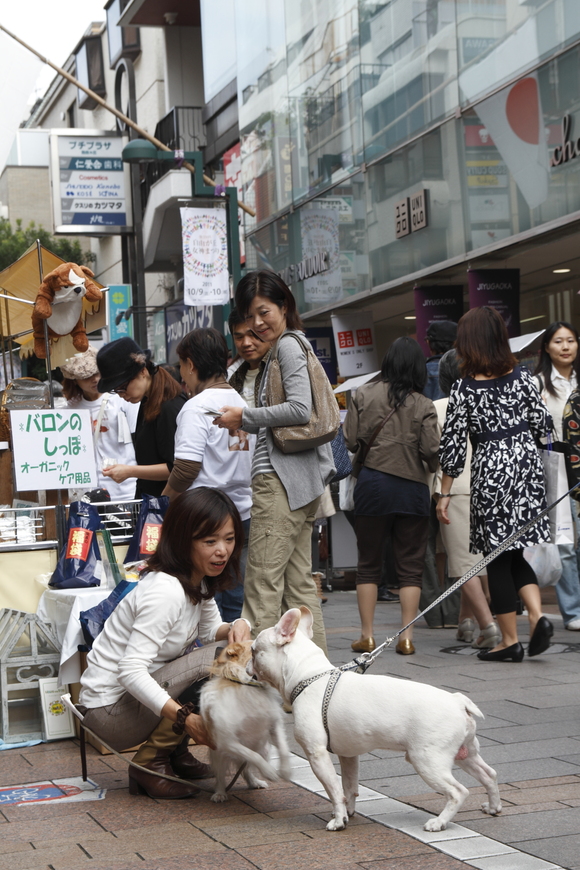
(500, 289)
(319, 231)
(119, 299)
(444, 302)
(354, 337)
(205, 256)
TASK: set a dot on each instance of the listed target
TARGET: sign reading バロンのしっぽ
(53, 449)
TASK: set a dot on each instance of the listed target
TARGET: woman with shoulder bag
(498, 405)
(286, 487)
(395, 427)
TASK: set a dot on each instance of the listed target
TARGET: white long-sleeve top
(152, 625)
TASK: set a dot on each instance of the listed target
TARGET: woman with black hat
(128, 370)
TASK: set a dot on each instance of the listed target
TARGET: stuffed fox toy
(60, 302)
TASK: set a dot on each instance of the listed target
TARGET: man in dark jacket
(441, 336)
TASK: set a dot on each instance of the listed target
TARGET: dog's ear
(285, 629)
(306, 621)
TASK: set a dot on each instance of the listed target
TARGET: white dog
(244, 719)
(435, 728)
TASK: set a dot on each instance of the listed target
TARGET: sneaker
(574, 625)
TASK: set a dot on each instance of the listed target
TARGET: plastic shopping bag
(80, 563)
(148, 529)
(93, 620)
(545, 562)
(561, 528)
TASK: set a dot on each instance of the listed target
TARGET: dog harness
(333, 677)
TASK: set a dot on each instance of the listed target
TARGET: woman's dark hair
(207, 350)
(71, 389)
(544, 366)
(482, 344)
(265, 283)
(404, 369)
(448, 371)
(194, 515)
(163, 389)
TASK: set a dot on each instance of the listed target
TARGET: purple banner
(500, 289)
(437, 302)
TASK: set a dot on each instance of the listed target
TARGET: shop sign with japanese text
(354, 338)
(90, 183)
(53, 449)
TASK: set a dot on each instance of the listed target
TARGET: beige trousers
(279, 567)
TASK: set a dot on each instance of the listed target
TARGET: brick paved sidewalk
(530, 735)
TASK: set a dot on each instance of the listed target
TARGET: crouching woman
(144, 672)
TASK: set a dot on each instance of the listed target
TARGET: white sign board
(53, 449)
(90, 182)
(354, 337)
(205, 256)
(319, 232)
(58, 719)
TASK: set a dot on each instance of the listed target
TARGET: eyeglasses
(121, 389)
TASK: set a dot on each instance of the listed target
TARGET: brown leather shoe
(186, 765)
(156, 787)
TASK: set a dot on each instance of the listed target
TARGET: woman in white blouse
(143, 674)
(557, 376)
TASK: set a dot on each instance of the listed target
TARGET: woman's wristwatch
(443, 494)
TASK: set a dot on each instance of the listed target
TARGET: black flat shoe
(514, 653)
(540, 639)
(387, 596)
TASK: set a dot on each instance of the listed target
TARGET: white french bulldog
(434, 728)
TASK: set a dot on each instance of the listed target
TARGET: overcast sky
(52, 28)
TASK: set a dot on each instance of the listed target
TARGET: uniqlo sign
(345, 339)
(355, 343)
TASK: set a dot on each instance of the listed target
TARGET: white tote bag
(545, 562)
(561, 528)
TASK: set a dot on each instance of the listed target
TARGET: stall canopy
(22, 280)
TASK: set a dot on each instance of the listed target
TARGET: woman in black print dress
(499, 406)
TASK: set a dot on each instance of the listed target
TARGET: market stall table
(61, 608)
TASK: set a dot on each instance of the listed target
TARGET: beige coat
(410, 437)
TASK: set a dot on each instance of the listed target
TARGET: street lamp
(143, 151)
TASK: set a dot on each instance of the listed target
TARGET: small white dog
(244, 719)
(435, 728)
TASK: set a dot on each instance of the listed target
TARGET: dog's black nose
(78, 289)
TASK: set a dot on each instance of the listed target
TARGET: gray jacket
(303, 475)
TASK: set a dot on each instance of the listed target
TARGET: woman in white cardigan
(143, 674)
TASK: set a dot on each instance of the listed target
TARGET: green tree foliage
(13, 243)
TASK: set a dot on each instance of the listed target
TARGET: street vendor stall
(30, 535)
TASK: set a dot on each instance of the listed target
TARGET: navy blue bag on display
(341, 458)
(93, 620)
(80, 563)
(148, 529)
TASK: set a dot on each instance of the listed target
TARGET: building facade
(411, 140)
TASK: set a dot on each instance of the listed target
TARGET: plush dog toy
(60, 302)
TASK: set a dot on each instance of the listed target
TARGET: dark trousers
(506, 575)
(409, 538)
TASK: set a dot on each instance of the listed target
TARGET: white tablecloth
(61, 608)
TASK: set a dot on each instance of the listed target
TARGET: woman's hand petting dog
(197, 731)
(239, 631)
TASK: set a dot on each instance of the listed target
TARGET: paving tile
(67, 828)
(474, 847)
(515, 829)
(518, 861)
(464, 817)
(41, 858)
(563, 850)
(531, 769)
(423, 862)
(11, 846)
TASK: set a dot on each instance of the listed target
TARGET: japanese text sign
(90, 183)
(355, 343)
(205, 256)
(53, 449)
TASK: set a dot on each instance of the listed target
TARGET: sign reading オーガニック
(53, 449)
(90, 182)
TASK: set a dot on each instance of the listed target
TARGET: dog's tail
(469, 705)
(239, 752)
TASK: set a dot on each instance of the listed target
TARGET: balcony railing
(182, 128)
